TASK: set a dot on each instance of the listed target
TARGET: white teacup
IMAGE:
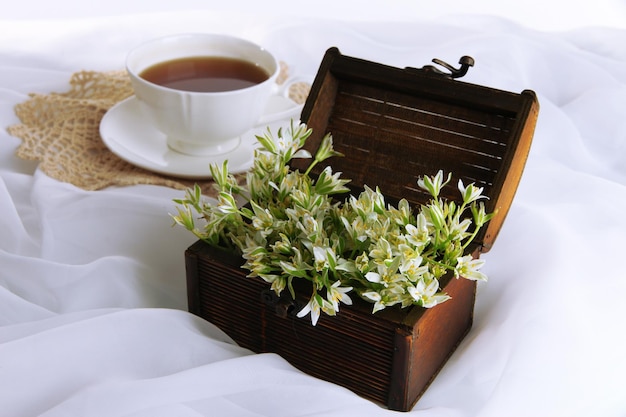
(198, 122)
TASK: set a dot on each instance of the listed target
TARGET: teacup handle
(282, 90)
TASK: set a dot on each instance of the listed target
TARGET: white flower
(412, 267)
(460, 228)
(315, 305)
(381, 251)
(326, 150)
(324, 258)
(262, 219)
(373, 277)
(436, 216)
(309, 225)
(312, 307)
(417, 235)
(426, 294)
(337, 294)
(226, 203)
(470, 193)
(468, 267)
(401, 215)
(376, 298)
(433, 184)
(288, 184)
(480, 215)
(329, 183)
(362, 262)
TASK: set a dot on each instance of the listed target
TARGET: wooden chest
(393, 125)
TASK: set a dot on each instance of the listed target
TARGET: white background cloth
(93, 317)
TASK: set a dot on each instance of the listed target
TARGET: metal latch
(465, 61)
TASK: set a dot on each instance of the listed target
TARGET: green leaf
(220, 176)
(293, 270)
(267, 142)
(328, 183)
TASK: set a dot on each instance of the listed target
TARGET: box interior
(396, 125)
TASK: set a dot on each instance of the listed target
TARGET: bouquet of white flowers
(288, 225)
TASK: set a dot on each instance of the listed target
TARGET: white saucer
(126, 131)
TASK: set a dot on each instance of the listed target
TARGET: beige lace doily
(61, 130)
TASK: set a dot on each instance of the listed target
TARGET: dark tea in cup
(205, 74)
(202, 91)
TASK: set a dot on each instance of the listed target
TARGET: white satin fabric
(93, 317)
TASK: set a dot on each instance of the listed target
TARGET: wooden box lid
(395, 125)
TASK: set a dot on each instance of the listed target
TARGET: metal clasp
(283, 306)
(465, 61)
